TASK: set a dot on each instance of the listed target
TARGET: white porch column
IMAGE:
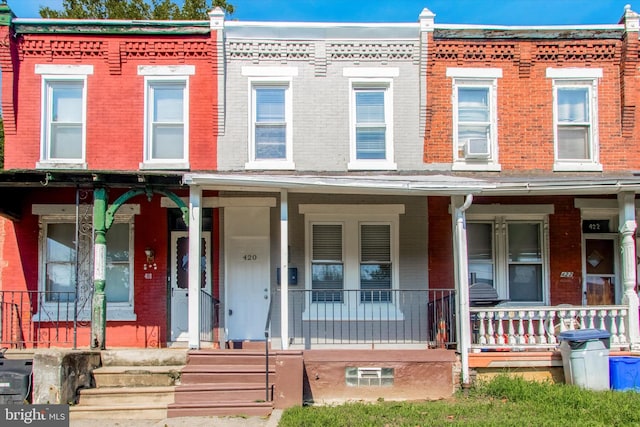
(284, 268)
(626, 206)
(461, 275)
(195, 249)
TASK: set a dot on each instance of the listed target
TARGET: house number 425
(250, 257)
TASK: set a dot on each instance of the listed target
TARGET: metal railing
(373, 316)
(208, 315)
(267, 327)
(30, 319)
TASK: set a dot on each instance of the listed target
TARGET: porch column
(461, 275)
(626, 207)
(99, 313)
(195, 255)
(284, 268)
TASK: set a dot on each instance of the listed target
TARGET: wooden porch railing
(522, 328)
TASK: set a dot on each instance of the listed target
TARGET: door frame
(614, 237)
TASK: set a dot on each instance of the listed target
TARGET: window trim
(500, 222)
(61, 73)
(481, 78)
(585, 78)
(386, 85)
(65, 214)
(351, 217)
(280, 81)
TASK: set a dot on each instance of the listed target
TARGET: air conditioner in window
(476, 148)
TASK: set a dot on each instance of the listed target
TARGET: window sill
(164, 166)
(50, 313)
(48, 164)
(577, 167)
(476, 166)
(340, 312)
(372, 165)
(270, 165)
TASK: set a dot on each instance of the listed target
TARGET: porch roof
(422, 184)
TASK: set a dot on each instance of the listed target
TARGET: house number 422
(250, 257)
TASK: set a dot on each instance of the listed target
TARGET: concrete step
(201, 374)
(220, 409)
(137, 376)
(234, 392)
(126, 396)
(118, 412)
(148, 357)
(228, 357)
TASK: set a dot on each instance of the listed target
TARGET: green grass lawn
(502, 401)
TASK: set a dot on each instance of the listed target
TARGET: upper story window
(575, 117)
(64, 106)
(475, 122)
(270, 117)
(166, 131)
(371, 118)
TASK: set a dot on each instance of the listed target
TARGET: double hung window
(575, 108)
(64, 103)
(474, 105)
(166, 131)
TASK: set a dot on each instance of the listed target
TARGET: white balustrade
(520, 328)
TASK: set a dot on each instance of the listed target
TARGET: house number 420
(250, 257)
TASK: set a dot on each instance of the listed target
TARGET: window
(166, 132)
(270, 117)
(575, 118)
(352, 251)
(371, 124)
(67, 268)
(271, 131)
(63, 134)
(474, 101)
(507, 249)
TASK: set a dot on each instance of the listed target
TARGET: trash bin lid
(584, 335)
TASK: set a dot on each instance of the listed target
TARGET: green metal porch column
(99, 313)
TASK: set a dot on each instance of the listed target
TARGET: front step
(261, 409)
(137, 376)
(231, 392)
(127, 396)
(118, 412)
(216, 374)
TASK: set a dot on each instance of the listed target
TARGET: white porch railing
(522, 328)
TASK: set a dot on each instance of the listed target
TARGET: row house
(402, 188)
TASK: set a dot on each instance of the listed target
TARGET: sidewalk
(271, 421)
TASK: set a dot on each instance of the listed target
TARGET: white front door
(180, 281)
(248, 278)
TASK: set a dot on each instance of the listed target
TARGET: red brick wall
(525, 98)
(115, 97)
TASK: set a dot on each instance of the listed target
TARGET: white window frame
(476, 78)
(285, 83)
(586, 78)
(162, 74)
(500, 216)
(63, 214)
(52, 73)
(351, 217)
(265, 76)
(386, 86)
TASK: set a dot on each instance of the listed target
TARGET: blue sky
(499, 12)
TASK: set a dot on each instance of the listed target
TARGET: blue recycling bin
(624, 373)
(585, 358)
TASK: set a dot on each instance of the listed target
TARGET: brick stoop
(224, 382)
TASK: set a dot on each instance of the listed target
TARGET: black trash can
(15, 380)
